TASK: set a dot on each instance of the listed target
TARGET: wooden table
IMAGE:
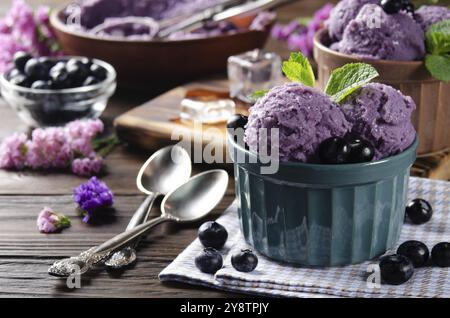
(25, 254)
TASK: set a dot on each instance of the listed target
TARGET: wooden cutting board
(151, 125)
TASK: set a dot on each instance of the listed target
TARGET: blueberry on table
(440, 254)
(360, 151)
(36, 70)
(417, 252)
(209, 261)
(334, 150)
(41, 85)
(391, 6)
(98, 72)
(212, 234)
(244, 261)
(396, 269)
(419, 211)
(20, 59)
(237, 121)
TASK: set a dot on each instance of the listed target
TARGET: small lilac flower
(92, 197)
(48, 148)
(84, 129)
(13, 152)
(86, 167)
(50, 222)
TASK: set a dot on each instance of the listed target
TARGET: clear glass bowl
(40, 108)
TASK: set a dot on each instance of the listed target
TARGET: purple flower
(13, 152)
(58, 148)
(300, 37)
(22, 30)
(92, 197)
(48, 148)
(50, 222)
(84, 129)
(87, 167)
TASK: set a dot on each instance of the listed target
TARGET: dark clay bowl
(321, 215)
(158, 62)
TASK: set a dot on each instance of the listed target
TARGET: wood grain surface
(26, 254)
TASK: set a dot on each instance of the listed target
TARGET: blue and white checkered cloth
(283, 280)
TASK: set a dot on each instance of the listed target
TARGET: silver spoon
(190, 202)
(164, 171)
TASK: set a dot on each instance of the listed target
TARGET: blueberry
(209, 261)
(244, 261)
(98, 72)
(440, 254)
(396, 269)
(60, 76)
(90, 80)
(391, 6)
(334, 150)
(408, 6)
(419, 211)
(237, 121)
(360, 151)
(41, 85)
(78, 72)
(36, 70)
(20, 80)
(417, 252)
(13, 73)
(212, 234)
(20, 59)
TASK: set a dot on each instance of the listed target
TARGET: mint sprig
(437, 40)
(439, 66)
(298, 69)
(348, 78)
(258, 95)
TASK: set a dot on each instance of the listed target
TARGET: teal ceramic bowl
(321, 215)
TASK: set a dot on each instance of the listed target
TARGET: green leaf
(63, 221)
(437, 38)
(348, 78)
(439, 66)
(298, 69)
(258, 95)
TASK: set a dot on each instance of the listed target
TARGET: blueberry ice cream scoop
(304, 117)
(375, 34)
(382, 115)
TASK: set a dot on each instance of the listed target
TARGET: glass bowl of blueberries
(51, 91)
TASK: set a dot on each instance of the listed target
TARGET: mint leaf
(437, 38)
(258, 95)
(348, 78)
(298, 69)
(439, 66)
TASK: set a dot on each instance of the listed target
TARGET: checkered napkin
(277, 279)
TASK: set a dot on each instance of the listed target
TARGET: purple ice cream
(429, 15)
(381, 115)
(342, 14)
(378, 35)
(304, 116)
(94, 12)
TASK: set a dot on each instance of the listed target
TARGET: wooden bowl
(432, 97)
(160, 62)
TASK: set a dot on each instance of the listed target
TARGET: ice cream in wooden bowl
(409, 48)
